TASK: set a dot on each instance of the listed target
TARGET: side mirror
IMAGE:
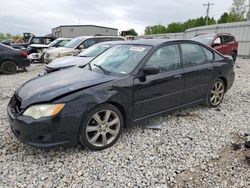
(81, 47)
(152, 70)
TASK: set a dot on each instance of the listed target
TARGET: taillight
(24, 53)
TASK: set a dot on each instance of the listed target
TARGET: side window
(89, 42)
(227, 38)
(192, 55)
(218, 41)
(167, 58)
(208, 53)
(36, 41)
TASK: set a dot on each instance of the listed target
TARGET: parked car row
(125, 82)
(81, 59)
(76, 45)
(36, 51)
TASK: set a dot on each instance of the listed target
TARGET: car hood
(61, 50)
(47, 87)
(69, 61)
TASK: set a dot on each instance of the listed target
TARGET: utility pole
(207, 11)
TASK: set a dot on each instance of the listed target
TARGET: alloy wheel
(217, 93)
(103, 128)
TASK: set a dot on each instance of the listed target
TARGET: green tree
(132, 32)
(227, 18)
(156, 29)
(239, 9)
(175, 27)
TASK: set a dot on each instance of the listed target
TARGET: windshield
(74, 42)
(205, 39)
(53, 43)
(95, 50)
(121, 59)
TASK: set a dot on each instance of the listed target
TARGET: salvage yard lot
(192, 149)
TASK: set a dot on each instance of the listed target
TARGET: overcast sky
(40, 16)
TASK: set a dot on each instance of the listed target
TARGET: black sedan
(127, 83)
(12, 59)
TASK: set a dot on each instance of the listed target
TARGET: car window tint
(227, 38)
(208, 53)
(167, 58)
(89, 42)
(192, 55)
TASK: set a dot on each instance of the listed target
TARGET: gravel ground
(196, 147)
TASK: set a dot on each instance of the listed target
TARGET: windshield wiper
(103, 69)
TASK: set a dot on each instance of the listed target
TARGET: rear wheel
(8, 67)
(101, 128)
(216, 93)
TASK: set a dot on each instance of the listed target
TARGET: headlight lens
(43, 110)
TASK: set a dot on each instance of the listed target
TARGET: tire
(95, 127)
(215, 94)
(8, 67)
(234, 56)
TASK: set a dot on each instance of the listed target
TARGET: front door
(156, 93)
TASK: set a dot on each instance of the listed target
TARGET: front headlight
(43, 110)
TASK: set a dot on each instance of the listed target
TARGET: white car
(40, 49)
(76, 45)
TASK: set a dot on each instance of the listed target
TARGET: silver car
(77, 45)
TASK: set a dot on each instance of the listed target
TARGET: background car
(76, 45)
(12, 59)
(37, 51)
(34, 40)
(225, 43)
(80, 60)
(127, 83)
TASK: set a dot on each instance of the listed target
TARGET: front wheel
(216, 93)
(101, 128)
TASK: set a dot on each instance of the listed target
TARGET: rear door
(156, 93)
(228, 44)
(198, 71)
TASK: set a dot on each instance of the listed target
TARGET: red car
(225, 43)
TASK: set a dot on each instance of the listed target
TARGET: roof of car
(213, 34)
(151, 42)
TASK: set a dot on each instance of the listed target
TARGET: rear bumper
(22, 63)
